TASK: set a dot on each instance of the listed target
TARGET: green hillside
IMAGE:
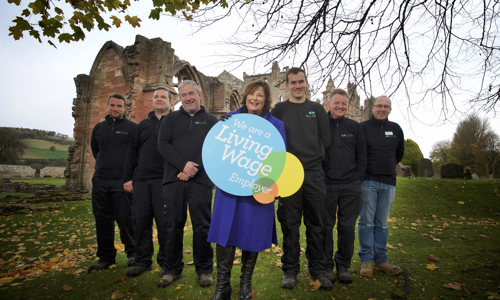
(40, 147)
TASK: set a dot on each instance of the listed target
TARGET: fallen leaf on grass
(435, 239)
(433, 258)
(67, 288)
(178, 287)
(453, 285)
(431, 266)
(120, 278)
(117, 295)
(6, 279)
(315, 284)
(461, 202)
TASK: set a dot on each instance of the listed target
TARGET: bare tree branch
(444, 50)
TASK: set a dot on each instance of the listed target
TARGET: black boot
(225, 258)
(248, 260)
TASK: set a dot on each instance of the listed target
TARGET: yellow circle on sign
(292, 176)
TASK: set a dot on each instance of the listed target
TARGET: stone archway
(107, 76)
(185, 71)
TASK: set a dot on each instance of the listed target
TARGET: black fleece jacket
(306, 129)
(384, 148)
(345, 160)
(181, 140)
(143, 159)
(109, 144)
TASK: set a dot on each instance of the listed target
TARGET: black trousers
(148, 205)
(343, 203)
(180, 195)
(307, 201)
(109, 203)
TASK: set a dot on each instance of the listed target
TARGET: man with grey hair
(185, 183)
(385, 148)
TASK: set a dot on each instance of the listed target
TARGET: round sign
(239, 155)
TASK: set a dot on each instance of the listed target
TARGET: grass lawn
(47, 180)
(443, 233)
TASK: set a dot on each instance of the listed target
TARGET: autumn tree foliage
(473, 141)
(11, 148)
(474, 144)
(67, 21)
(412, 155)
(441, 154)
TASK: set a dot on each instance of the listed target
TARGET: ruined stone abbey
(136, 71)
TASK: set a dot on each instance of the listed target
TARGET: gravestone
(467, 173)
(425, 168)
(452, 171)
(496, 173)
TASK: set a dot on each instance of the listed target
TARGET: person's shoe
(366, 269)
(131, 262)
(326, 284)
(388, 268)
(330, 276)
(222, 294)
(167, 280)
(100, 265)
(137, 270)
(206, 279)
(343, 274)
(289, 281)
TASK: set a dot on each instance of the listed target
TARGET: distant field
(42, 144)
(36, 148)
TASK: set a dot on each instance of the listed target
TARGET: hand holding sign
(246, 155)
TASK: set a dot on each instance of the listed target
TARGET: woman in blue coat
(241, 221)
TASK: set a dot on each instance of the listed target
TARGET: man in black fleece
(185, 182)
(307, 137)
(384, 148)
(109, 143)
(345, 166)
(142, 176)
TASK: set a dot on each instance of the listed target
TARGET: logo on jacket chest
(311, 114)
(200, 123)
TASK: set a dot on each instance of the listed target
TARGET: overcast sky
(38, 88)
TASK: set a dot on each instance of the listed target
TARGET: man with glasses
(385, 148)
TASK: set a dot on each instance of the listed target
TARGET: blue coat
(241, 221)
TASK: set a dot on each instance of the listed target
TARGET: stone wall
(9, 171)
